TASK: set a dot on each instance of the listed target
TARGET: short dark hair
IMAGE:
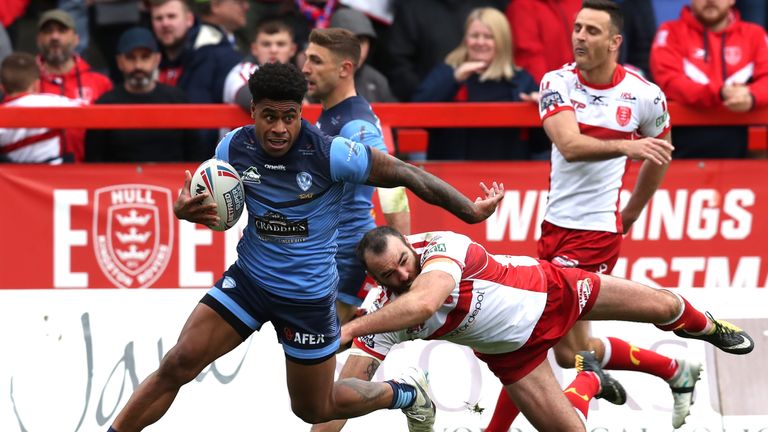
(611, 8)
(18, 71)
(156, 3)
(271, 26)
(375, 242)
(277, 82)
(339, 41)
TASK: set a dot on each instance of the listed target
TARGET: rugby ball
(225, 188)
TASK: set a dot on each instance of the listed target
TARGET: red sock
(625, 356)
(583, 388)
(691, 320)
(503, 415)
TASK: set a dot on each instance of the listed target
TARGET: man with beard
(195, 57)
(710, 58)
(65, 73)
(138, 58)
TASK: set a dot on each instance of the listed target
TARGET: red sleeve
(759, 85)
(667, 54)
(528, 49)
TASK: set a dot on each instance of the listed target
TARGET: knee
(565, 356)
(179, 366)
(670, 307)
(310, 414)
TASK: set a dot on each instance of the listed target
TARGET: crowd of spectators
(702, 53)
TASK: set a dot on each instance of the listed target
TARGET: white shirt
(35, 145)
(585, 195)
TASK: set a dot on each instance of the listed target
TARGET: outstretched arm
(388, 171)
(424, 297)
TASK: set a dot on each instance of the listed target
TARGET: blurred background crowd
(702, 53)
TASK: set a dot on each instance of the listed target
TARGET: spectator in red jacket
(65, 73)
(541, 32)
(709, 58)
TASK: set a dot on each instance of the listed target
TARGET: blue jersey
(354, 119)
(294, 207)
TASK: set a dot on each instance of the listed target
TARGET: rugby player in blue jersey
(332, 58)
(294, 178)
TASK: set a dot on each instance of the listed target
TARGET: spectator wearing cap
(371, 84)
(65, 73)
(138, 58)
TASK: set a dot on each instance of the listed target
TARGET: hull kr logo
(133, 233)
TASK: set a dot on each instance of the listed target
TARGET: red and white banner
(102, 226)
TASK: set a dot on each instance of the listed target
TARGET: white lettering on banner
(717, 271)
(699, 214)
(64, 238)
(741, 225)
(706, 213)
(132, 196)
(518, 215)
(190, 237)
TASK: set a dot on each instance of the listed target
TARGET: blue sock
(404, 395)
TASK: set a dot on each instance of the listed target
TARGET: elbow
(424, 309)
(569, 154)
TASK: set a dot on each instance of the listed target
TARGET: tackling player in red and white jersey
(599, 116)
(510, 311)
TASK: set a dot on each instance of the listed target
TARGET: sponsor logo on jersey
(597, 100)
(660, 120)
(275, 227)
(303, 338)
(549, 99)
(578, 106)
(133, 233)
(251, 175)
(472, 317)
(304, 180)
(732, 55)
(583, 291)
(228, 282)
(563, 261)
(367, 340)
(623, 115)
(307, 148)
(627, 96)
(354, 149)
(435, 248)
(279, 167)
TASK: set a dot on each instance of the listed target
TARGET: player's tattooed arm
(388, 171)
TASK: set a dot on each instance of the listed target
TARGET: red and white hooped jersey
(585, 195)
(495, 304)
